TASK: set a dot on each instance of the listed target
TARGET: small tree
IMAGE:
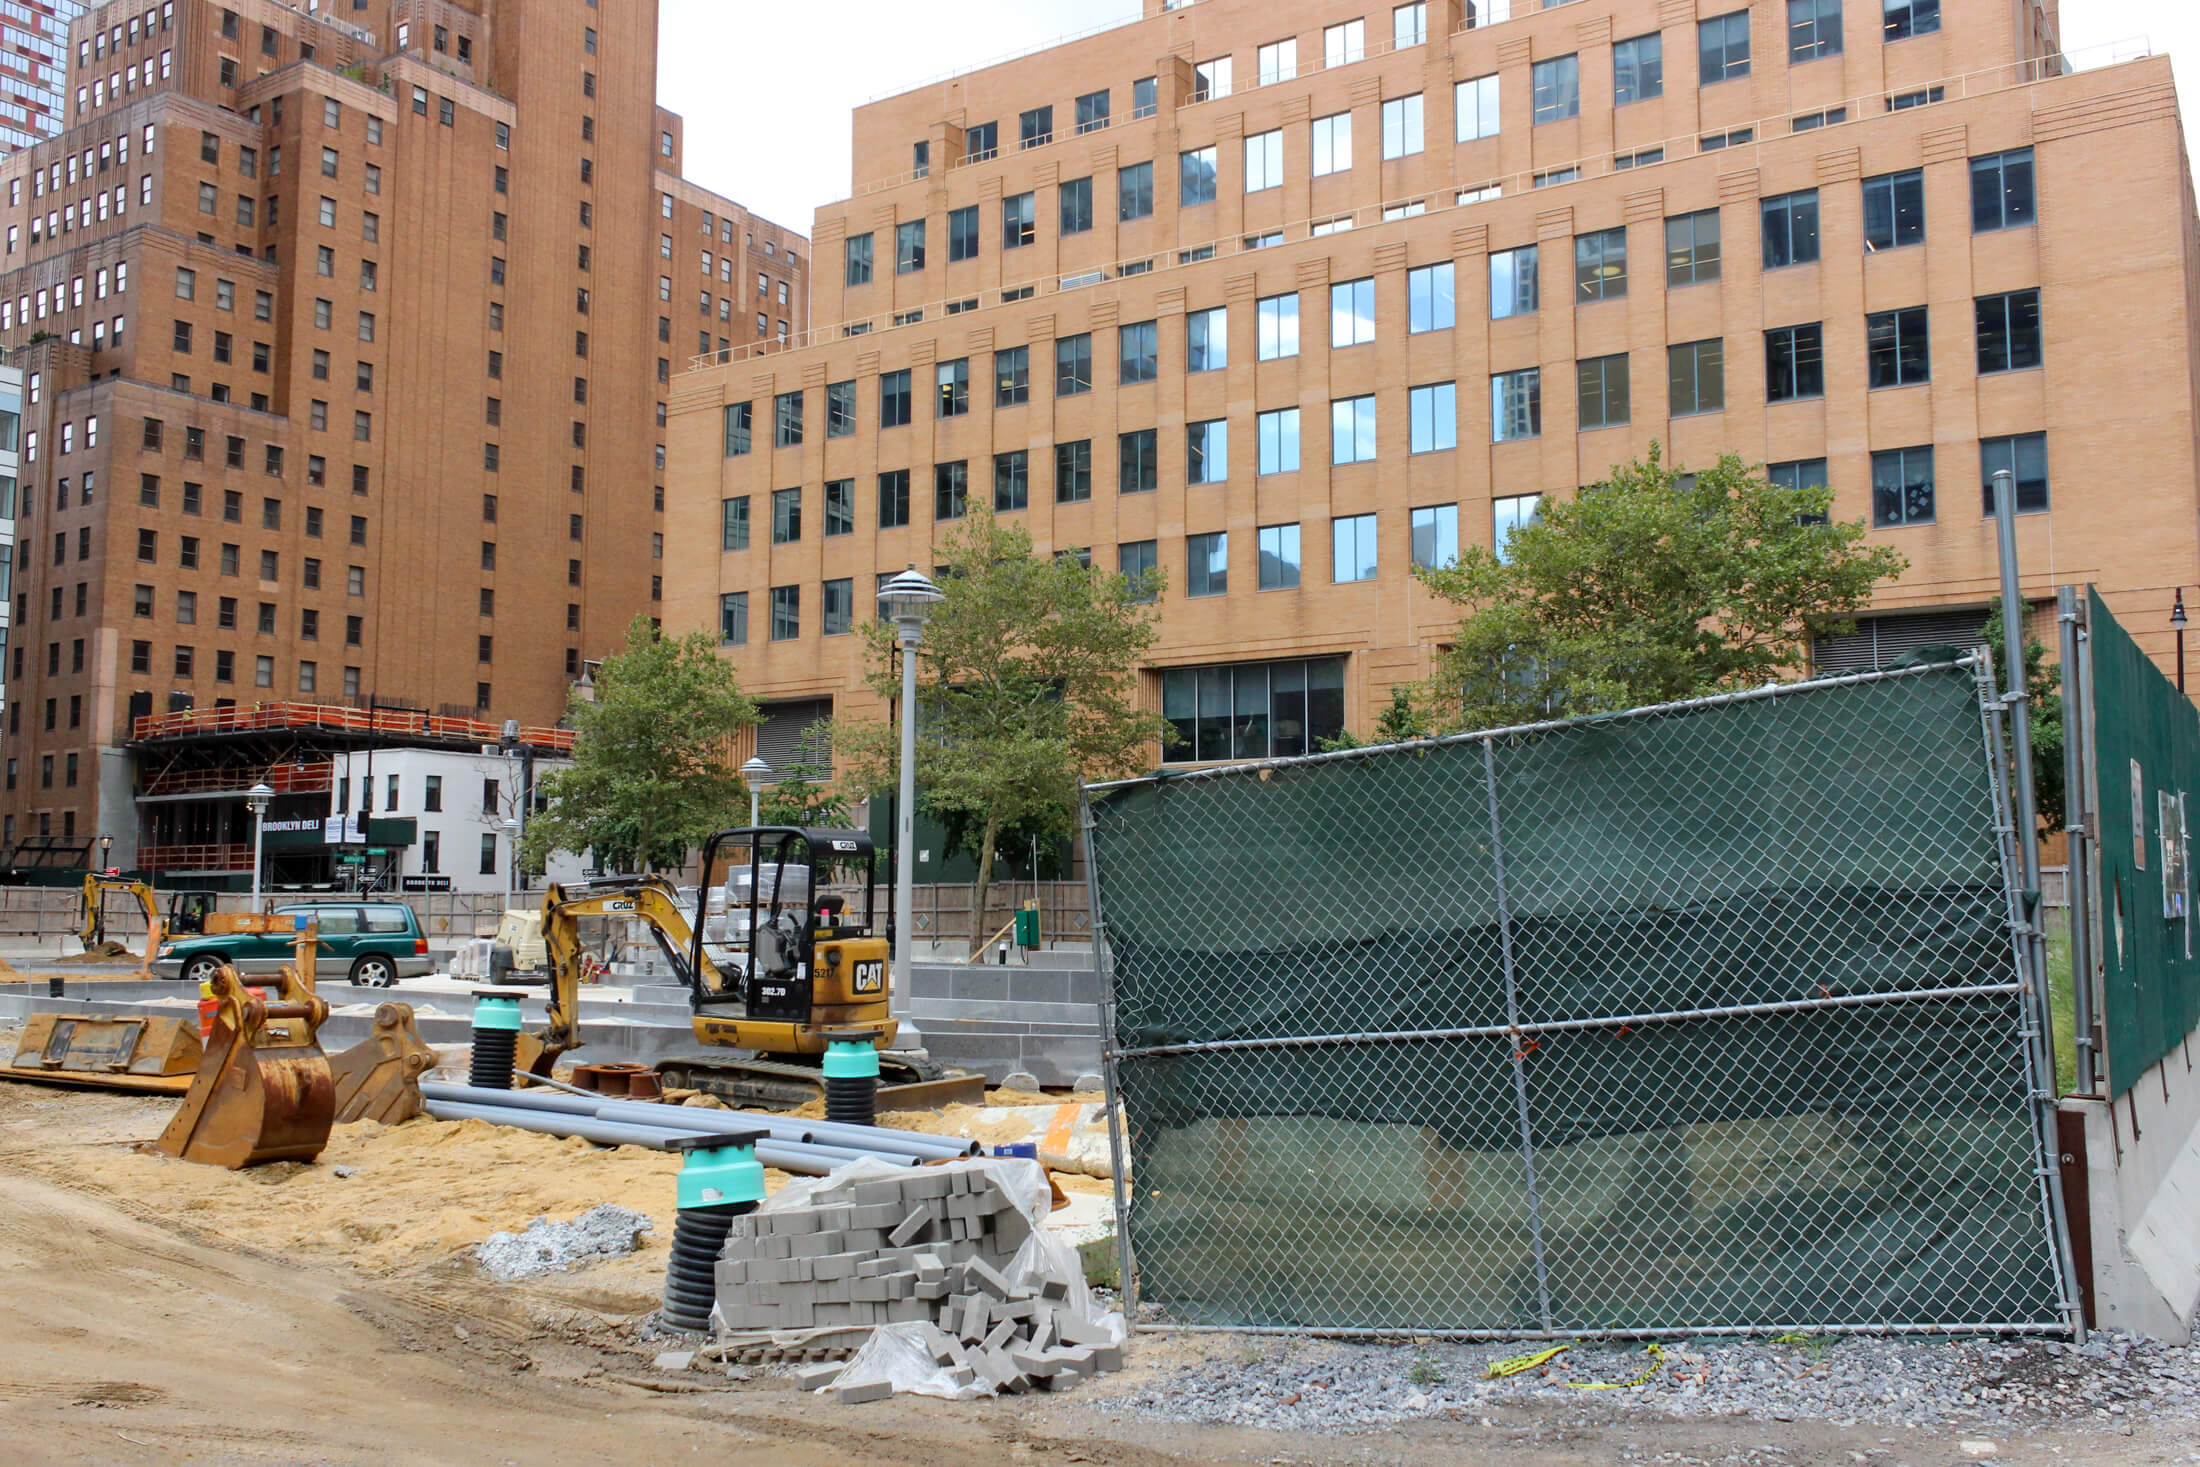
(2044, 713)
(1652, 586)
(1027, 682)
(802, 797)
(649, 778)
(1401, 721)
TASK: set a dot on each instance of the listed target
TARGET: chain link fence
(1705, 1018)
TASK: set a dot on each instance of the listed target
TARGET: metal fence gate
(1705, 1018)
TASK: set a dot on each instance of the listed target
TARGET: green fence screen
(2146, 746)
(1698, 1018)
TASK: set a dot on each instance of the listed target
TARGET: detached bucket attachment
(378, 1079)
(263, 1091)
(156, 1056)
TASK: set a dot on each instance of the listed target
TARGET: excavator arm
(648, 899)
(96, 888)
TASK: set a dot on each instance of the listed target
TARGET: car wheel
(374, 972)
(202, 969)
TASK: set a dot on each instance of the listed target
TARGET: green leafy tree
(1027, 682)
(650, 778)
(1652, 586)
(2044, 710)
(802, 795)
(1401, 721)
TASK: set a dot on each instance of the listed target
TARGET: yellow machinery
(812, 973)
(378, 1079)
(154, 1056)
(263, 1091)
(97, 889)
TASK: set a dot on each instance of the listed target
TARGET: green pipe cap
(718, 1170)
(850, 1059)
(494, 1010)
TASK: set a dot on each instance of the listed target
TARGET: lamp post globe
(906, 600)
(753, 774)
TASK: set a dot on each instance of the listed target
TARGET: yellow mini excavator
(97, 889)
(804, 970)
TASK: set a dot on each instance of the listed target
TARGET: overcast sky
(767, 87)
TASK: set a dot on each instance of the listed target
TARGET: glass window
(1513, 289)
(1134, 561)
(2009, 331)
(840, 409)
(1262, 710)
(1076, 205)
(1600, 265)
(1603, 387)
(1207, 340)
(1507, 515)
(1557, 88)
(1138, 462)
(1897, 348)
(1352, 313)
(1092, 111)
(1344, 44)
(787, 420)
(1791, 229)
(1139, 351)
(1516, 405)
(1196, 177)
(981, 140)
(840, 507)
(1902, 487)
(1429, 298)
(1894, 210)
(1352, 553)
(1279, 327)
(1333, 144)
(1692, 248)
(857, 251)
(1279, 557)
(2025, 457)
(1722, 47)
(1035, 129)
(1409, 24)
(2001, 191)
(1207, 451)
(1795, 362)
(1279, 441)
(893, 499)
(962, 234)
(733, 523)
(1352, 430)
(1799, 474)
(1638, 69)
(1475, 108)
(737, 428)
(1264, 161)
(786, 516)
(1435, 536)
(1814, 30)
(1278, 61)
(1073, 364)
(950, 490)
(1134, 191)
(1011, 481)
(733, 618)
(1073, 471)
(1011, 376)
(909, 247)
(837, 616)
(953, 379)
(895, 399)
(1207, 564)
(1211, 79)
(786, 613)
(1402, 132)
(1906, 18)
(1433, 413)
(1696, 377)
(1019, 220)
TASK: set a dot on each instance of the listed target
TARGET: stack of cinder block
(933, 1247)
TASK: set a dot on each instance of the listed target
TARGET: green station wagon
(374, 943)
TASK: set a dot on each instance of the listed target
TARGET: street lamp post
(106, 844)
(257, 797)
(906, 601)
(513, 830)
(2177, 623)
(754, 773)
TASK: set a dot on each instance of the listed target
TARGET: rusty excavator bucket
(263, 1091)
(378, 1079)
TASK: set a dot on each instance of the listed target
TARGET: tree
(802, 797)
(1653, 586)
(1402, 721)
(1027, 682)
(2044, 710)
(650, 777)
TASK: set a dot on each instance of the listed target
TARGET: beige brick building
(347, 334)
(1283, 296)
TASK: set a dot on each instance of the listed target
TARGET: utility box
(1027, 927)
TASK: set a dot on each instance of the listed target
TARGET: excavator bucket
(378, 1079)
(155, 1056)
(263, 1091)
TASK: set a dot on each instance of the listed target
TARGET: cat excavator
(803, 972)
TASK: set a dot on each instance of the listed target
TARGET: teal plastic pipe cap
(718, 1172)
(494, 1011)
(850, 1059)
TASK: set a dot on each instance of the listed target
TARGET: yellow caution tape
(1502, 1368)
(1657, 1361)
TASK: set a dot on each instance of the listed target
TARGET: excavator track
(778, 1084)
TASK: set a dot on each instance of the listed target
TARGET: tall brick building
(1285, 296)
(346, 333)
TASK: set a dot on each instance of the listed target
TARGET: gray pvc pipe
(785, 1156)
(868, 1140)
(678, 1121)
(571, 1105)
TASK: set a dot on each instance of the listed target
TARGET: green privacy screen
(2147, 774)
(1697, 1018)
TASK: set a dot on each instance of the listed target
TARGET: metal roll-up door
(779, 740)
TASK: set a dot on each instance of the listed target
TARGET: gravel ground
(2114, 1382)
(604, 1231)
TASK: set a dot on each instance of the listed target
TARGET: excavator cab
(188, 911)
(813, 961)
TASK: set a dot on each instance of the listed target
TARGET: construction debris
(604, 1231)
(951, 1268)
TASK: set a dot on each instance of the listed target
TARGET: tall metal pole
(905, 835)
(2078, 823)
(259, 823)
(2016, 698)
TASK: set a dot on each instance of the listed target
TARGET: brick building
(1283, 297)
(346, 333)
(33, 36)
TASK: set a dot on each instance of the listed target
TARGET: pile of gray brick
(933, 1248)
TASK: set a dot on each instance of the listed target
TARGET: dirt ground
(160, 1312)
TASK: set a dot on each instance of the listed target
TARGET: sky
(767, 88)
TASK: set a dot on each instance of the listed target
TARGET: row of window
(226, 614)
